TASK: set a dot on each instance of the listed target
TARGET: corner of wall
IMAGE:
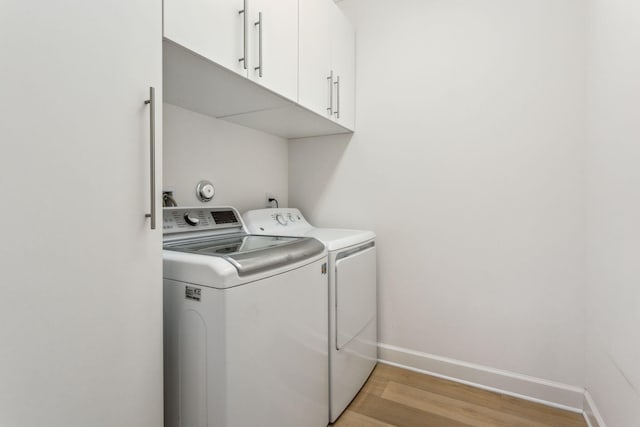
(591, 414)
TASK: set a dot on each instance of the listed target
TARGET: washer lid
(251, 254)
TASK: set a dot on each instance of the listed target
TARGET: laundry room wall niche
(243, 164)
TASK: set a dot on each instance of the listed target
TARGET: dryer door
(355, 291)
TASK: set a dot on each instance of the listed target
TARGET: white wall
(468, 164)
(614, 211)
(242, 163)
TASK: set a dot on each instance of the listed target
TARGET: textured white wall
(242, 163)
(468, 164)
(613, 368)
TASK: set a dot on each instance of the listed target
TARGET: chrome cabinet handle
(244, 34)
(152, 152)
(337, 111)
(330, 79)
(260, 24)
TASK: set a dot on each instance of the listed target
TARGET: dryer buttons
(281, 219)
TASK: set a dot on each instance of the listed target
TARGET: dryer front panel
(355, 291)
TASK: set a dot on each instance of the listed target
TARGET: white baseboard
(549, 393)
(591, 413)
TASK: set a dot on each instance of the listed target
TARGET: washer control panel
(180, 220)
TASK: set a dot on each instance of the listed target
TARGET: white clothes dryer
(245, 324)
(352, 298)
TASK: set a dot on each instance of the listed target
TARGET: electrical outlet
(269, 195)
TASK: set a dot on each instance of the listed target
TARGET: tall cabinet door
(315, 56)
(273, 45)
(215, 29)
(343, 45)
(81, 305)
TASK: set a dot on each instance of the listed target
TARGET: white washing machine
(353, 349)
(245, 324)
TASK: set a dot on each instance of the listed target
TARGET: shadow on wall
(314, 179)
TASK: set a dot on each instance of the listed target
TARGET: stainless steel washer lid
(251, 254)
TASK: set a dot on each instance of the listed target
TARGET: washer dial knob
(292, 218)
(193, 221)
(281, 219)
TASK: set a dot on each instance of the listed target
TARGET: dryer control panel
(274, 221)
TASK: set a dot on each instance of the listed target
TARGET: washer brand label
(192, 293)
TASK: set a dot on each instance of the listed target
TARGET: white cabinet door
(315, 56)
(343, 64)
(327, 62)
(273, 45)
(81, 304)
(211, 28)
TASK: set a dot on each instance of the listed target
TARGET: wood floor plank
(354, 419)
(454, 409)
(395, 397)
(400, 415)
(508, 404)
(375, 384)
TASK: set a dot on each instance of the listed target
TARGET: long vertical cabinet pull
(244, 34)
(330, 108)
(152, 152)
(337, 111)
(260, 23)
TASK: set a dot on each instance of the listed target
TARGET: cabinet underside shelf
(197, 84)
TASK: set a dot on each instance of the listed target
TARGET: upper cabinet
(211, 28)
(273, 45)
(343, 65)
(282, 66)
(327, 62)
(316, 78)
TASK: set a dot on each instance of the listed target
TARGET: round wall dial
(205, 191)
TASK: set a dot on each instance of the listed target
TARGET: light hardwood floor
(401, 398)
